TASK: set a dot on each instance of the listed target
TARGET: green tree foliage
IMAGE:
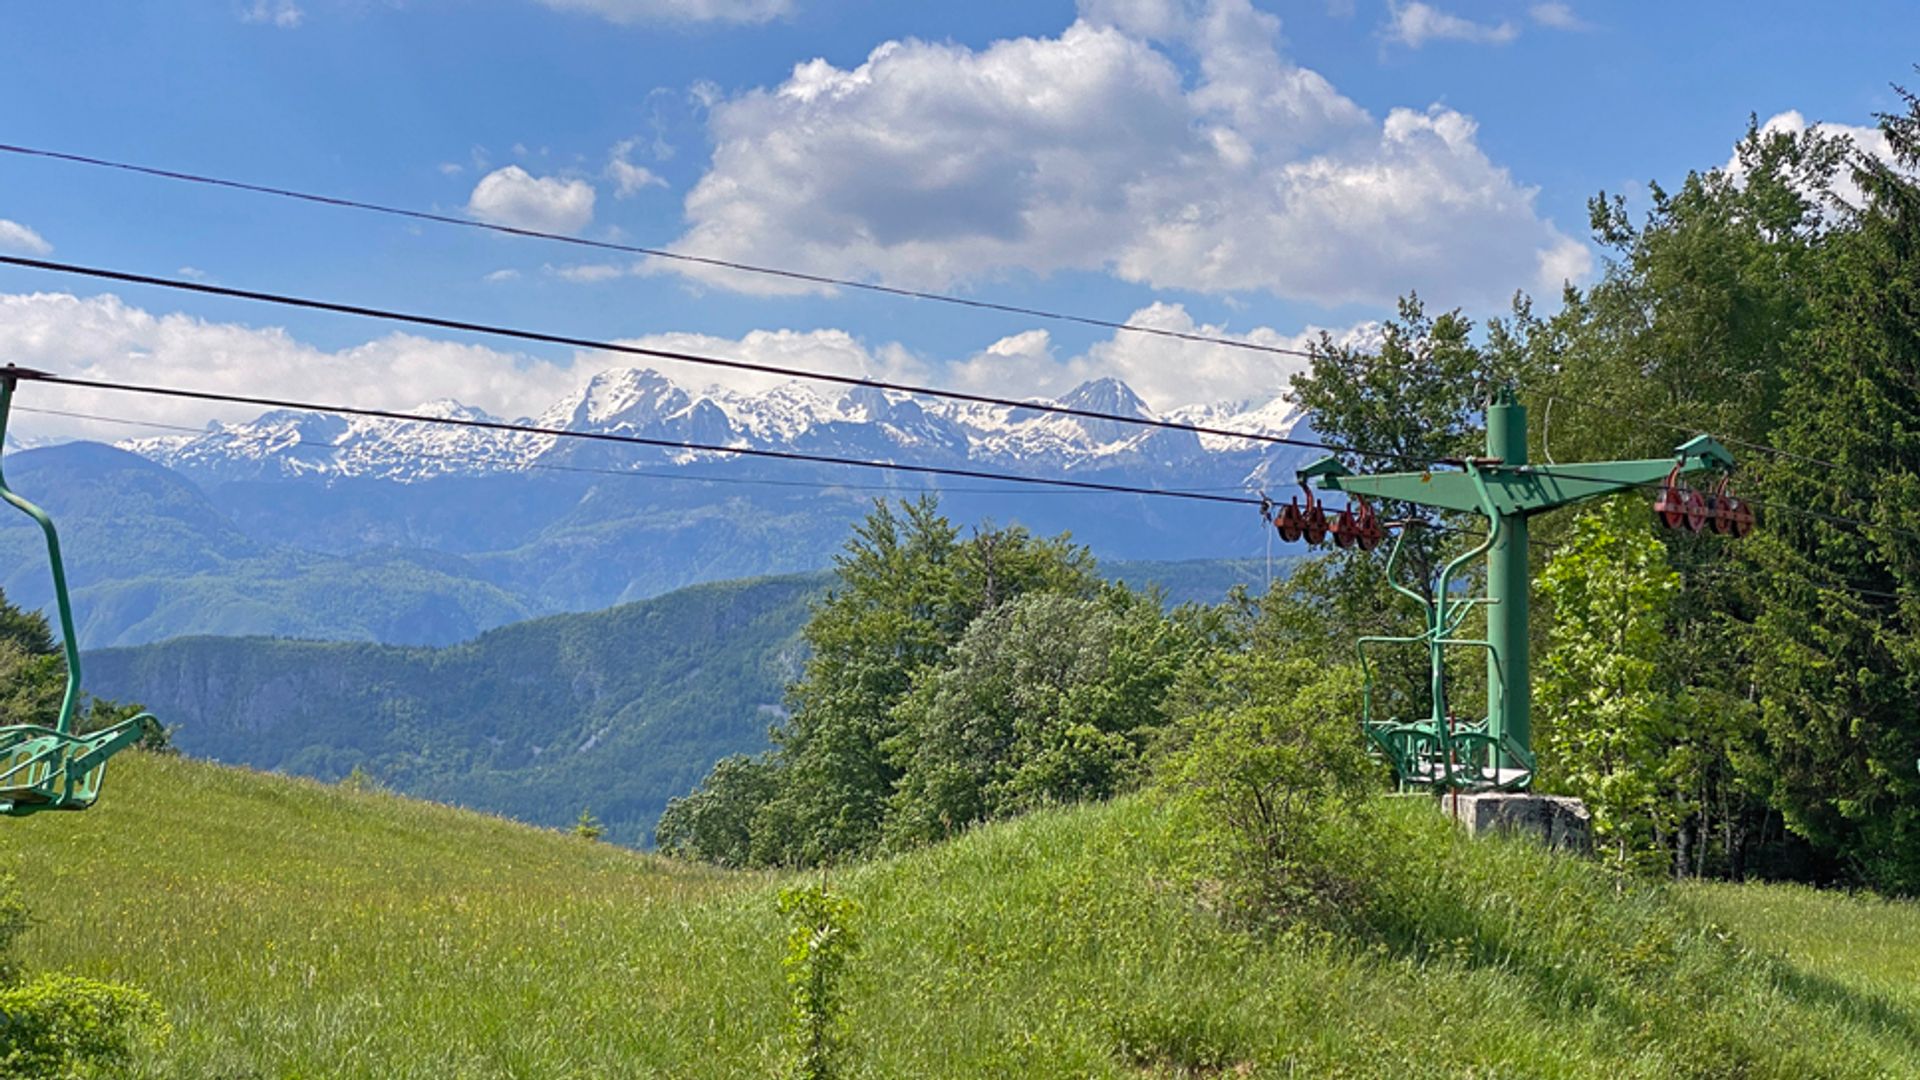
(25, 630)
(716, 821)
(1694, 327)
(33, 681)
(951, 680)
(909, 586)
(1050, 698)
(1837, 646)
(820, 943)
(1416, 397)
(588, 827)
(1610, 713)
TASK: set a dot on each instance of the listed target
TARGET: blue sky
(1259, 169)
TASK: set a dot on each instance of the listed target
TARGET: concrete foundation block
(1560, 822)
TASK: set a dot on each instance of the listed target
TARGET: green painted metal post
(1509, 687)
(71, 647)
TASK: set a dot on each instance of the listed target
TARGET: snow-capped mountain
(863, 422)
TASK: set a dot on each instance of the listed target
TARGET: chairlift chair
(55, 768)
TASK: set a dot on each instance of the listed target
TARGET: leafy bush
(58, 1026)
(1047, 699)
(1275, 769)
(716, 822)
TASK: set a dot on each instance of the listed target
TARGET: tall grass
(292, 929)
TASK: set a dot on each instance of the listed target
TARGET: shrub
(58, 1025)
(588, 827)
(1275, 769)
(819, 944)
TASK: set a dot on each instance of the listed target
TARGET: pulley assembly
(1679, 505)
(1356, 525)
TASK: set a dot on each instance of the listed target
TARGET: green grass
(296, 930)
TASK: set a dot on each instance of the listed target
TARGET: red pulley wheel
(1289, 522)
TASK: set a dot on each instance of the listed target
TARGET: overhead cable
(657, 253)
(464, 326)
(396, 452)
(611, 437)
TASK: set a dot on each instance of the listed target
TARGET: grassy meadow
(292, 929)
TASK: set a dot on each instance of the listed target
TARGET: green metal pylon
(1506, 490)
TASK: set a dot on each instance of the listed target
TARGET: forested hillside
(613, 711)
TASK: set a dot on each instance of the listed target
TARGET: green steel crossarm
(1523, 489)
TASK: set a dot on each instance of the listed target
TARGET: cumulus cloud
(628, 178)
(18, 238)
(1868, 140)
(933, 164)
(1558, 16)
(512, 196)
(629, 12)
(1166, 372)
(104, 338)
(1414, 24)
(284, 14)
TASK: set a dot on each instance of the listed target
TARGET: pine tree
(1837, 648)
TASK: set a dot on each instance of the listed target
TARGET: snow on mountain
(861, 421)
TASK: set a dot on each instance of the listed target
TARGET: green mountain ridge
(616, 711)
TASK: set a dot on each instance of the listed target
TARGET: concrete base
(1562, 823)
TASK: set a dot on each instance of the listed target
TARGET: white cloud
(935, 164)
(502, 275)
(628, 178)
(18, 238)
(629, 12)
(512, 196)
(284, 14)
(103, 338)
(1558, 16)
(1166, 372)
(1868, 140)
(586, 273)
(1414, 24)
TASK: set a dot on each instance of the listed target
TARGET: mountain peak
(1107, 395)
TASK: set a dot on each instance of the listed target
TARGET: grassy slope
(297, 930)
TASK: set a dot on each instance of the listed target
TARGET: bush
(58, 1026)
(1046, 699)
(1276, 770)
(588, 827)
(717, 822)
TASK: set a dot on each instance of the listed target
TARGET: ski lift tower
(1495, 752)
